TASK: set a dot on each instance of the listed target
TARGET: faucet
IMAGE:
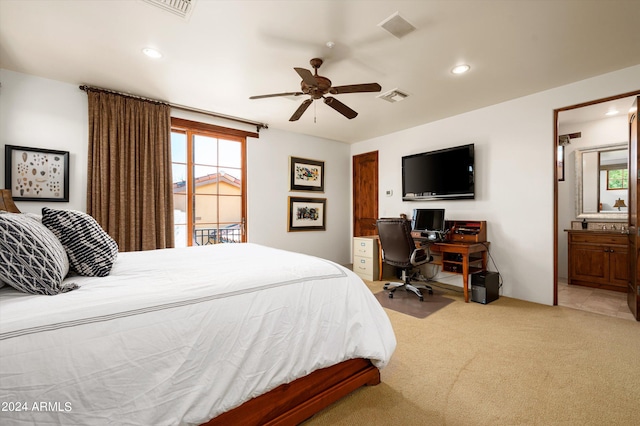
(613, 227)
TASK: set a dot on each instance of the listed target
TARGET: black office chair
(400, 251)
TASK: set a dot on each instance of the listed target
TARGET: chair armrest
(415, 253)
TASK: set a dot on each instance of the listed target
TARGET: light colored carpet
(506, 363)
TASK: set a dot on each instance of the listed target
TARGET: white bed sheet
(179, 336)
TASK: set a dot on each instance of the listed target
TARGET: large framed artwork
(36, 174)
(307, 214)
(306, 175)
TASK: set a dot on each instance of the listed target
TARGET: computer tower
(485, 287)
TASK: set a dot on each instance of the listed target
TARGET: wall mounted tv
(445, 174)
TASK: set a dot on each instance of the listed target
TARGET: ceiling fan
(317, 86)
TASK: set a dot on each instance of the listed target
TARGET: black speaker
(485, 287)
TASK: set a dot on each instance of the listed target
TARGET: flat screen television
(445, 174)
(427, 220)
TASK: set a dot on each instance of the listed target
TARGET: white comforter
(179, 336)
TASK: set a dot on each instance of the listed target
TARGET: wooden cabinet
(598, 259)
(366, 257)
(467, 231)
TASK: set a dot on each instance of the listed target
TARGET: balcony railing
(206, 236)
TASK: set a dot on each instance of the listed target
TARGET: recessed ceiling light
(611, 112)
(152, 53)
(460, 69)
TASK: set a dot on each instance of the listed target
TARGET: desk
(457, 258)
(462, 258)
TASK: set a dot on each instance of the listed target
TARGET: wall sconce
(619, 203)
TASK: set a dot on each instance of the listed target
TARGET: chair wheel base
(390, 295)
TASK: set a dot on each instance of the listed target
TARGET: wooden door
(209, 181)
(365, 194)
(633, 292)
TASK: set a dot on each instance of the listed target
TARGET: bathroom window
(617, 179)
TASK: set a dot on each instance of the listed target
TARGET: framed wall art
(306, 175)
(307, 214)
(36, 174)
(560, 163)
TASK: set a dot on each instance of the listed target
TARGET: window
(209, 191)
(618, 179)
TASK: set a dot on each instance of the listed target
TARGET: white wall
(40, 113)
(514, 176)
(268, 186)
(43, 113)
(607, 131)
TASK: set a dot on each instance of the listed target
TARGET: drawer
(365, 267)
(364, 247)
(621, 239)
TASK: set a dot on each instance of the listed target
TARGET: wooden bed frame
(291, 403)
(6, 201)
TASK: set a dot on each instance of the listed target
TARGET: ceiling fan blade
(301, 109)
(277, 94)
(340, 107)
(307, 77)
(356, 88)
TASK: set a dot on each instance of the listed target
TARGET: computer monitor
(427, 220)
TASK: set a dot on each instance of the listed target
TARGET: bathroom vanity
(598, 258)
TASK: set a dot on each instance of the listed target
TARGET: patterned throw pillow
(90, 249)
(32, 259)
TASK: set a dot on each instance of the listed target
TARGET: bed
(221, 334)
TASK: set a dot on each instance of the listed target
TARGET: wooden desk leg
(465, 277)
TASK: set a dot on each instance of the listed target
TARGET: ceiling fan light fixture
(393, 95)
(319, 87)
(396, 25)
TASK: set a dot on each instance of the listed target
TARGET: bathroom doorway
(576, 128)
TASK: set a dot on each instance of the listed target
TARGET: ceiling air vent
(392, 96)
(397, 25)
(182, 8)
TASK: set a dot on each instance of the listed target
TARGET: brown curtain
(129, 186)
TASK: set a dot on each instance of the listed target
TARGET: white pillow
(32, 259)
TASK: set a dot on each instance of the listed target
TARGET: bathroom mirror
(598, 194)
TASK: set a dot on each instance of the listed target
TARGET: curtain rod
(181, 107)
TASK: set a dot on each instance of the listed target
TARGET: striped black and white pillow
(91, 250)
(32, 259)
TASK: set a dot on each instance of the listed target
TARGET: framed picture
(306, 175)
(560, 163)
(307, 214)
(35, 174)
